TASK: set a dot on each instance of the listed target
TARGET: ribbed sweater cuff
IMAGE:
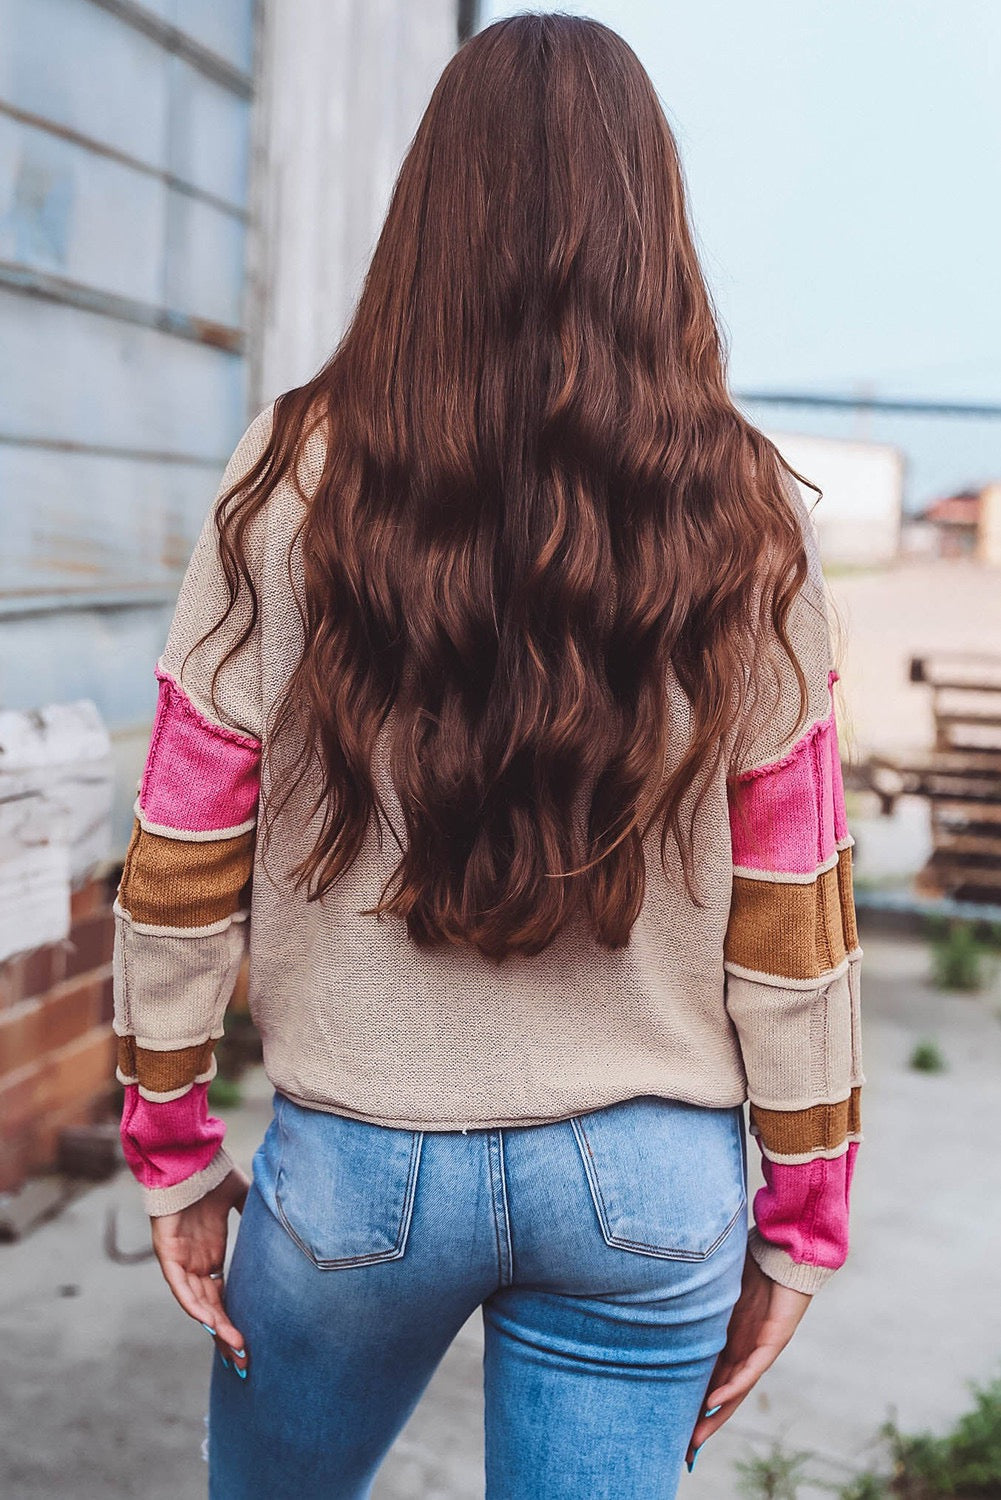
(780, 1266)
(170, 1200)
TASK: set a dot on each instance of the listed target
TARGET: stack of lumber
(960, 776)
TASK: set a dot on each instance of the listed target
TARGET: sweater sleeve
(792, 958)
(182, 909)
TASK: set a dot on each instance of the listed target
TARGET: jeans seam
(504, 1267)
(507, 1209)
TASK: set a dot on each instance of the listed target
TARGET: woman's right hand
(764, 1319)
(191, 1248)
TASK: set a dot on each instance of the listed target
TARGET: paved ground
(102, 1380)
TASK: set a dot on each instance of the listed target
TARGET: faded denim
(605, 1252)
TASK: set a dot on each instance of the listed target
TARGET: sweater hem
(491, 1122)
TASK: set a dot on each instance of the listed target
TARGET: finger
(223, 1325)
(196, 1292)
(706, 1425)
(712, 1414)
(205, 1296)
(744, 1378)
(176, 1277)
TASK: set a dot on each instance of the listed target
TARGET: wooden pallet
(960, 776)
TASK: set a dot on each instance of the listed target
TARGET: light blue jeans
(605, 1252)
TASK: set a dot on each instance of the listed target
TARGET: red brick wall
(57, 1054)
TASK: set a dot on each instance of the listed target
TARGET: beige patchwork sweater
(754, 995)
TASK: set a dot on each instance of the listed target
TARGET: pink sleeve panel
(788, 817)
(166, 1143)
(803, 1208)
(200, 777)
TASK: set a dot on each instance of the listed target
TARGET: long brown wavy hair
(538, 505)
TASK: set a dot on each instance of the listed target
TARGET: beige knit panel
(203, 601)
(770, 714)
(800, 1044)
(172, 992)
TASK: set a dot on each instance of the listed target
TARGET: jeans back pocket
(344, 1189)
(667, 1178)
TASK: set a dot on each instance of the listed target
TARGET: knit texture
(752, 994)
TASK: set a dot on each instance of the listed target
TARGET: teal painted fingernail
(209, 1329)
(240, 1353)
(224, 1360)
(242, 1373)
(691, 1461)
(712, 1410)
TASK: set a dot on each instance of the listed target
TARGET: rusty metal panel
(124, 155)
(224, 27)
(68, 210)
(102, 224)
(82, 69)
(97, 521)
(205, 251)
(102, 653)
(154, 107)
(77, 377)
(209, 137)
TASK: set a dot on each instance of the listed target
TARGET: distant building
(967, 524)
(858, 518)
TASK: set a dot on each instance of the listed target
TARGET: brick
(22, 1038)
(19, 1099)
(44, 1148)
(30, 974)
(90, 899)
(71, 1009)
(71, 1086)
(33, 1028)
(79, 1072)
(15, 1158)
(90, 943)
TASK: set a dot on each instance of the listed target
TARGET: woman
(496, 714)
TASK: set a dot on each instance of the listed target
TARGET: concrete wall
(342, 87)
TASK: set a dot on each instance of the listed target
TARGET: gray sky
(843, 160)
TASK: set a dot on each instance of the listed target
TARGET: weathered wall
(342, 87)
(128, 141)
(124, 183)
(127, 133)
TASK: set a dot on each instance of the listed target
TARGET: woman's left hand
(764, 1319)
(191, 1248)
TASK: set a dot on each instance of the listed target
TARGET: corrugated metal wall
(124, 177)
(127, 308)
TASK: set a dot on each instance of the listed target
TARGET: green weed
(927, 1057)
